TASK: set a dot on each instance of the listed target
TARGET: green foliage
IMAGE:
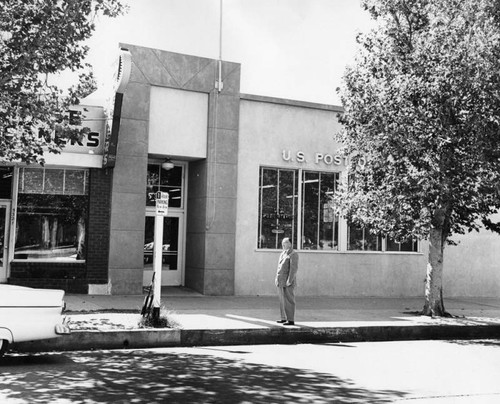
(38, 39)
(422, 104)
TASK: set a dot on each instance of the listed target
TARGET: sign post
(161, 212)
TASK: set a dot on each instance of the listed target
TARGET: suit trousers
(287, 302)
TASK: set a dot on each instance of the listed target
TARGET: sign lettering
(329, 159)
(161, 203)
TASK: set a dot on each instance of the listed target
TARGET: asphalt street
(434, 372)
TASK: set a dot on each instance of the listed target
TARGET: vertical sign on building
(122, 77)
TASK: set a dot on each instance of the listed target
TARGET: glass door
(172, 261)
(4, 239)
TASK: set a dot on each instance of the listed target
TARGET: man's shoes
(289, 323)
(281, 321)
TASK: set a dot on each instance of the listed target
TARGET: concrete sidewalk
(110, 322)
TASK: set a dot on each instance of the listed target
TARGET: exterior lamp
(167, 164)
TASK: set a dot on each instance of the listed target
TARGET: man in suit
(286, 281)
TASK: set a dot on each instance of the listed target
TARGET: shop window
(6, 182)
(51, 214)
(320, 225)
(408, 246)
(279, 199)
(361, 239)
(159, 179)
(309, 216)
(277, 207)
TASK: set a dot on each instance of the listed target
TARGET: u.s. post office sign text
(329, 159)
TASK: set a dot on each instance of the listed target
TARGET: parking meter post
(157, 264)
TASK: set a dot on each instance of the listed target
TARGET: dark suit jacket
(288, 265)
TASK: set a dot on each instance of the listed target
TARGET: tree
(39, 39)
(422, 105)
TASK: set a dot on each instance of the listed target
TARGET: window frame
(320, 209)
(379, 239)
(343, 231)
(299, 217)
(278, 211)
(414, 242)
(184, 168)
(17, 179)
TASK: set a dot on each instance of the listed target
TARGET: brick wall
(98, 226)
(49, 275)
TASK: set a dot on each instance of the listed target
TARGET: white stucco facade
(472, 267)
(272, 132)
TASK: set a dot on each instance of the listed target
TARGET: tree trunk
(434, 305)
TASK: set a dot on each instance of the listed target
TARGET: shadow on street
(159, 377)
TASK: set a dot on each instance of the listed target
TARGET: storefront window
(279, 214)
(277, 207)
(409, 245)
(361, 239)
(308, 217)
(159, 179)
(51, 214)
(6, 182)
(320, 225)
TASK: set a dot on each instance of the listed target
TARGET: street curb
(95, 339)
(156, 338)
(337, 334)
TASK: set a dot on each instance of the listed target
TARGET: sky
(294, 49)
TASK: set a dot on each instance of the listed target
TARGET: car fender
(6, 334)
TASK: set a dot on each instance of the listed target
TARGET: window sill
(268, 250)
(52, 260)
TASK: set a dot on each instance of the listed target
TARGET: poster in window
(75, 182)
(54, 182)
(32, 181)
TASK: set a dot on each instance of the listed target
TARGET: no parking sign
(161, 203)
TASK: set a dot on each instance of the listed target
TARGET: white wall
(178, 123)
(266, 129)
(472, 268)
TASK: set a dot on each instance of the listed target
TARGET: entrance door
(4, 239)
(173, 249)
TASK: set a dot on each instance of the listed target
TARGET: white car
(28, 314)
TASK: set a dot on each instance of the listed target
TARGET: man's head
(286, 243)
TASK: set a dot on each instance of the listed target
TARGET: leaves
(422, 103)
(39, 38)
